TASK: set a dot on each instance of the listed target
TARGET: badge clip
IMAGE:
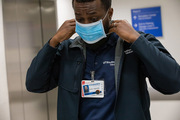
(92, 76)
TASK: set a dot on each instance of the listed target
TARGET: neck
(96, 46)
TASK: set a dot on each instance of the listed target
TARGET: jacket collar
(78, 42)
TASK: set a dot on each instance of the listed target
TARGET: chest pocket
(70, 74)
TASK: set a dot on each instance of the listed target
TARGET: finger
(69, 21)
(112, 30)
(114, 24)
(116, 21)
(126, 22)
(72, 24)
(73, 28)
(72, 20)
(111, 26)
(120, 21)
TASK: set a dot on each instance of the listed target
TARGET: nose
(86, 21)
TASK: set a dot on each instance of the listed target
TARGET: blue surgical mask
(92, 32)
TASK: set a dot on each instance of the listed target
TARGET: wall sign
(147, 20)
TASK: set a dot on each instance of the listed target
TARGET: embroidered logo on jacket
(128, 51)
(111, 63)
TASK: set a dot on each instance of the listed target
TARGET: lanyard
(92, 76)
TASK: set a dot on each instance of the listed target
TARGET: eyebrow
(92, 13)
(77, 13)
(89, 13)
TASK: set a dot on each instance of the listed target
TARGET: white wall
(165, 110)
(160, 110)
(64, 12)
(4, 98)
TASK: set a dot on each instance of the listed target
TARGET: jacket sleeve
(42, 74)
(163, 71)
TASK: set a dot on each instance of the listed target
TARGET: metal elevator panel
(13, 59)
(48, 15)
(24, 36)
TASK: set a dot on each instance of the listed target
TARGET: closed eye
(94, 19)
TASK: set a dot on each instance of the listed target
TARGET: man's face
(89, 12)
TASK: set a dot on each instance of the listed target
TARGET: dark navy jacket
(64, 66)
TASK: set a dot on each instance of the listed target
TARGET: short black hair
(105, 3)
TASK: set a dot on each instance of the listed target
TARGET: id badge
(92, 89)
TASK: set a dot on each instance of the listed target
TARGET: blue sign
(147, 20)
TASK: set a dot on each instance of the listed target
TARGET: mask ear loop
(105, 15)
(110, 24)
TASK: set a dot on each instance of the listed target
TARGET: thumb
(111, 30)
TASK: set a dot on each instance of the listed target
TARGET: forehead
(86, 7)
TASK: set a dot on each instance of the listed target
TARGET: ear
(110, 13)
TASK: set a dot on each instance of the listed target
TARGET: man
(109, 57)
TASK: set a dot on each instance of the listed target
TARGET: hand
(65, 32)
(124, 30)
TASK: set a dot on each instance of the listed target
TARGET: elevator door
(28, 24)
